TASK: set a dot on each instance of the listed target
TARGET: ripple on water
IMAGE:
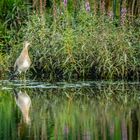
(6, 85)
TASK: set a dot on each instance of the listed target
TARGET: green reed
(84, 46)
(87, 47)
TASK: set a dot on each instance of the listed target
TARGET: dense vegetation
(72, 39)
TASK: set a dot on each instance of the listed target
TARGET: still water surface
(69, 111)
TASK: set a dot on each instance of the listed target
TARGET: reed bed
(91, 48)
(81, 45)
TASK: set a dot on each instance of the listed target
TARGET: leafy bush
(85, 47)
(13, 13)
(76, 46)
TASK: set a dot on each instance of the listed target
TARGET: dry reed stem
(41, 7)
(54, 10)
(44, 5)
(95, 7)
(102, 7)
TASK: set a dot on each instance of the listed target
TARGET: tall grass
(13, 13)
(85, 47)
(81, 45)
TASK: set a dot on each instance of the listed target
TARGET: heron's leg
(20, 77)
(24, 80)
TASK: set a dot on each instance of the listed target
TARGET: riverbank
(86, 46)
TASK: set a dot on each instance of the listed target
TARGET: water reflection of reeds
(84, 114)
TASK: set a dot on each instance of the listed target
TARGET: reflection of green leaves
(81, 116)
(99, 112)
(7, 117)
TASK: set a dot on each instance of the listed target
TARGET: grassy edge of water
(84, 47)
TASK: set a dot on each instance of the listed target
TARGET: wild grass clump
(83, 47)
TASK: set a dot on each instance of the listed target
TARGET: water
(69, 111)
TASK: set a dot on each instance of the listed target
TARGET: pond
(69, 111)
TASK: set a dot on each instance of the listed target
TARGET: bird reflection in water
(23, 101)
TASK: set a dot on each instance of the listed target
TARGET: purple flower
(65, 3)
(123, 15)
(123, 11)
(110, 15)
(87, 6)
(66, 130)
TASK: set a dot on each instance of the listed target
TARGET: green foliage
(72, 46)
(85, 47)
(4, 65)
(13, 13)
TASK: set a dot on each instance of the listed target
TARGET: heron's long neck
(26, 116)
(25, 52)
